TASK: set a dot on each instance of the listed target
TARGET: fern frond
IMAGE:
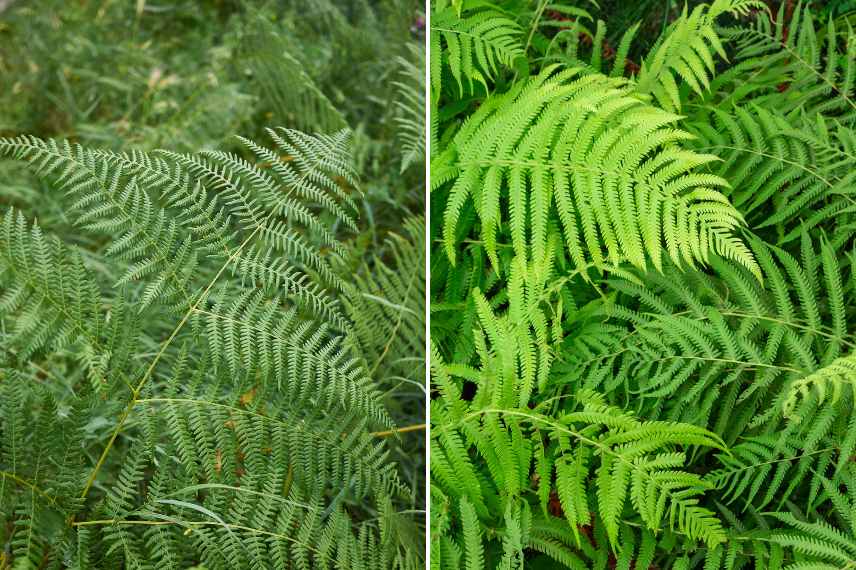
(580, 150)
(686, 52)
(815, 66)
(478, 45)
(411, 107)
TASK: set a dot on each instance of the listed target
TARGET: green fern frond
(815, 67)
(686, 52)
(768, 157)
(240, 440)
(411, 107)
(581, 151)
(477, 45)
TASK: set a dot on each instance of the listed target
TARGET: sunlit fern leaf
(593, 445)
(581, 150)
(829, 383)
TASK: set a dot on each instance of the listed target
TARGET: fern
(686, 52)
(816, 70)
(477, 46)
(411, 105)
(642, 351)
(224, 422)
(630, 463)
(798, 166)
(291, 95)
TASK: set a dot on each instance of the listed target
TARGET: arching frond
(580, 152)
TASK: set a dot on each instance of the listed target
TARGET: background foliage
(207, 351)
(641, 284)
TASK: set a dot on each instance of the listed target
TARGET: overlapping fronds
(791, 64)
(639, 314)
(685, 53)
(633, 464)
(222, 422)
(798, 166)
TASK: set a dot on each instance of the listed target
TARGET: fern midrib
(29, 484)
(45, 294)
(550, 164)
(136, 392)
(398, 322)
(194, 524)
(781, 159)
(780, 460)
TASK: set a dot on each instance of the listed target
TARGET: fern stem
(414, 427)
(729, 361)
(535, 22)
(814, 173)
(394, 332)
(780, 460)
(792, 324)
(604, 449)
(32, 486)
(796, 56)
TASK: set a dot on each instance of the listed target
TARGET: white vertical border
(427, 284)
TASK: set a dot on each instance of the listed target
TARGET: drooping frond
(829, 383)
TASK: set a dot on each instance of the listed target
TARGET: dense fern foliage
(641, 286)
(213, 355)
